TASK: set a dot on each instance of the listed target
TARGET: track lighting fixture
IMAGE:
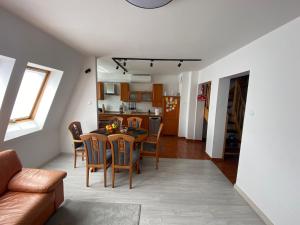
(151, 63)
(180, 63)
(122, 62)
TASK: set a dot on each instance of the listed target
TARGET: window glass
(28, 94)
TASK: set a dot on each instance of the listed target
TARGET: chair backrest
(76, 131)
(118, 119)
(122, 148)
(159, 131)
(135, 122)
(95, 148)
(9, 165)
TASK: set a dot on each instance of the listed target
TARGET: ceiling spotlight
(124, 63)
(151, 63)
(180, 63)
(124, 73)
(117, 67)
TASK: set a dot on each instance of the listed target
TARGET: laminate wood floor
(182, 191)
(174, 147)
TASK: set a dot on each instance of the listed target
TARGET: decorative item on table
(171, 104)
(111, 127)
(123, 130)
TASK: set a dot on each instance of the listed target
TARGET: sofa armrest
(36, 180)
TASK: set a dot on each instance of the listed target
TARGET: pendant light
(147, 4)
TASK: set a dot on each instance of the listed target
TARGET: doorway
(235, 113)
(202, 114)
(205, 95)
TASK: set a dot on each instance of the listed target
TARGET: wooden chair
(97, 156)
(76, 131)
(150, 147)
(118, 118)
(135, 122)
(123, 155)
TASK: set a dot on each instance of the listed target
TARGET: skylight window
(29, 94)
(6, 67)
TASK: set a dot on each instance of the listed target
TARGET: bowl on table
(124, 130)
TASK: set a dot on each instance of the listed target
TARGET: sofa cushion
(35, 180)
(9, 166)
(23, 208)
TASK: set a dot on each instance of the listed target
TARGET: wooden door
(100, 91)
(157, 95)
(171, 107)
(124, 96)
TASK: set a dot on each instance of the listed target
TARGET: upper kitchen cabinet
(124, 92)
(100, 91)
(140, 96)
(157, 95)
(146, 96)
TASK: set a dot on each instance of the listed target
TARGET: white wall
(184, 86)
(218, 133)
(193, 93)
(269, 161)
(199, 120)
(188, 105)
(25, 43)
(170, 82)
(82, 106)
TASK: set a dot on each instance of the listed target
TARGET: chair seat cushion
(149, 147)
(35, 180)
(23, 208)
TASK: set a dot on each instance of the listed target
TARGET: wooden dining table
(139, 134)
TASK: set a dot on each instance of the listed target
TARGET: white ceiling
(206, 29)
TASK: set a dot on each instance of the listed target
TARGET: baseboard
(260, 213)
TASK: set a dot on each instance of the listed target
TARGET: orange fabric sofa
(27, 196)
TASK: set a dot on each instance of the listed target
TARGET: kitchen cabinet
(140, 96)
(157, 95)
(124, 92)
(146, 96)
(100, 91)
(134, 96)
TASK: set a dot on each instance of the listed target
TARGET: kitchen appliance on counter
(132, 106)
(156, 111)
(154, 123)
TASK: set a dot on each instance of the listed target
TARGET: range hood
(110, 89)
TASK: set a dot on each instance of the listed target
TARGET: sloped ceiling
(206, 29)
